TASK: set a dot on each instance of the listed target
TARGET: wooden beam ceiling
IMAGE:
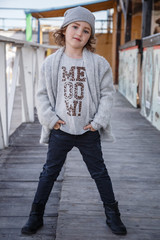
(94, 7)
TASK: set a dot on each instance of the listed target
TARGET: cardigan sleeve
(103, 115)
(46, 112)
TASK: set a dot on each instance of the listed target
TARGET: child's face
(77, 35)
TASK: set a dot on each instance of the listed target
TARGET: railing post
(13, 87)
(25, 114)
(2, 145)
(25, 72)
(27, 59)
(3, 95)
(39, 61)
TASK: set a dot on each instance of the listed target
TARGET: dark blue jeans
(89, 145)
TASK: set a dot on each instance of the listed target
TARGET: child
(74, 102)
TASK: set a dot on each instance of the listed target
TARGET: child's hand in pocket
(58, 124)
(89, 126)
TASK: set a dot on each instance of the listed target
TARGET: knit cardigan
(100, 83)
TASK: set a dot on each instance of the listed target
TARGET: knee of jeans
(100, 174)
(48, 175)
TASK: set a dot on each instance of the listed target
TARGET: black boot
(114, 220)
(35, 220)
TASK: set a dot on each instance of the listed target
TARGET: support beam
(3, 94)
(2, 145)
(13, 86)
(28, 27)
(118, 37)
(146, 17)
(123, 8)
(27, 59)
(38, 36)
(128, 21)
(25, 111)
(114, 42)
(39, 58)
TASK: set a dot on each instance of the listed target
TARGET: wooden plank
(114, 42)
(94, 227)
(10, 229)
(25, 107)
(1, 134)
(13, 87)
(128, 22)
(133, 164)
(130, 44)
(146, 17)
(19, 173)
(26, 43)
(27, 57)
(16, 118)
(118, 41)
(3, 95)
(151, 41)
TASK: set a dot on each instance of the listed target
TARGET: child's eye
(85, 31)
(75, 27)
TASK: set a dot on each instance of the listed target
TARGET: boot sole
(117, 233)
(28, 233)
(23, 231)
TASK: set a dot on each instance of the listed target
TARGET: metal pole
(38, 37)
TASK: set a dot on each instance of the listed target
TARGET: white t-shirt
(72, 103)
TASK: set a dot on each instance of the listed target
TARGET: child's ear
(64, 32)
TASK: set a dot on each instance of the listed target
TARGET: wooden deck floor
(21, 164)
(133, 162)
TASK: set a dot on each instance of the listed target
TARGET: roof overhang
(59, 12)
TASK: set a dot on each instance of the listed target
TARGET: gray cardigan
(100, 84)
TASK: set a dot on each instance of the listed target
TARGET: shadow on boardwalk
(133, 162)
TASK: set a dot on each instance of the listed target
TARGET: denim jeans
(89, 145)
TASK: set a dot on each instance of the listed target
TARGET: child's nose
(79, 32)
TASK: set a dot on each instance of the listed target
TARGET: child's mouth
(77, 39)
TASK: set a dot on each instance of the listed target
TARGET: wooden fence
(139, 76)
(25, 71)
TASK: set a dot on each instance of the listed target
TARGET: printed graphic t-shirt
(72, 103)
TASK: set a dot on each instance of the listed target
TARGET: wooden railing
(139, 76)
(25, 72)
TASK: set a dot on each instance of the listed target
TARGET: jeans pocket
(58, 132)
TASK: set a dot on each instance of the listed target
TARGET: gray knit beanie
(80, 14)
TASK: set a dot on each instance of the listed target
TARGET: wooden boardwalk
(133, 162)
(21, 164)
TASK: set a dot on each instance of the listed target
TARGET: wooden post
(128, 21)
(38, 36)
(2, 145)
(39, 61)
(146, 17)
(40, 54)
(127, 12)
(27, 56)
(13, 87)
(3, 95)
(118, 33)
(114, 42)
(41, 35)
(25, 111)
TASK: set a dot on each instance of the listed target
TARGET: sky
(7, 17)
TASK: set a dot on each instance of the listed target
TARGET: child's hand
(58, 124)
(89, 126)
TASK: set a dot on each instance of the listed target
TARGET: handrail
(25, 43)
(152, 40)
(25, 72)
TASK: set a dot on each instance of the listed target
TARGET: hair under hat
(80, 14)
